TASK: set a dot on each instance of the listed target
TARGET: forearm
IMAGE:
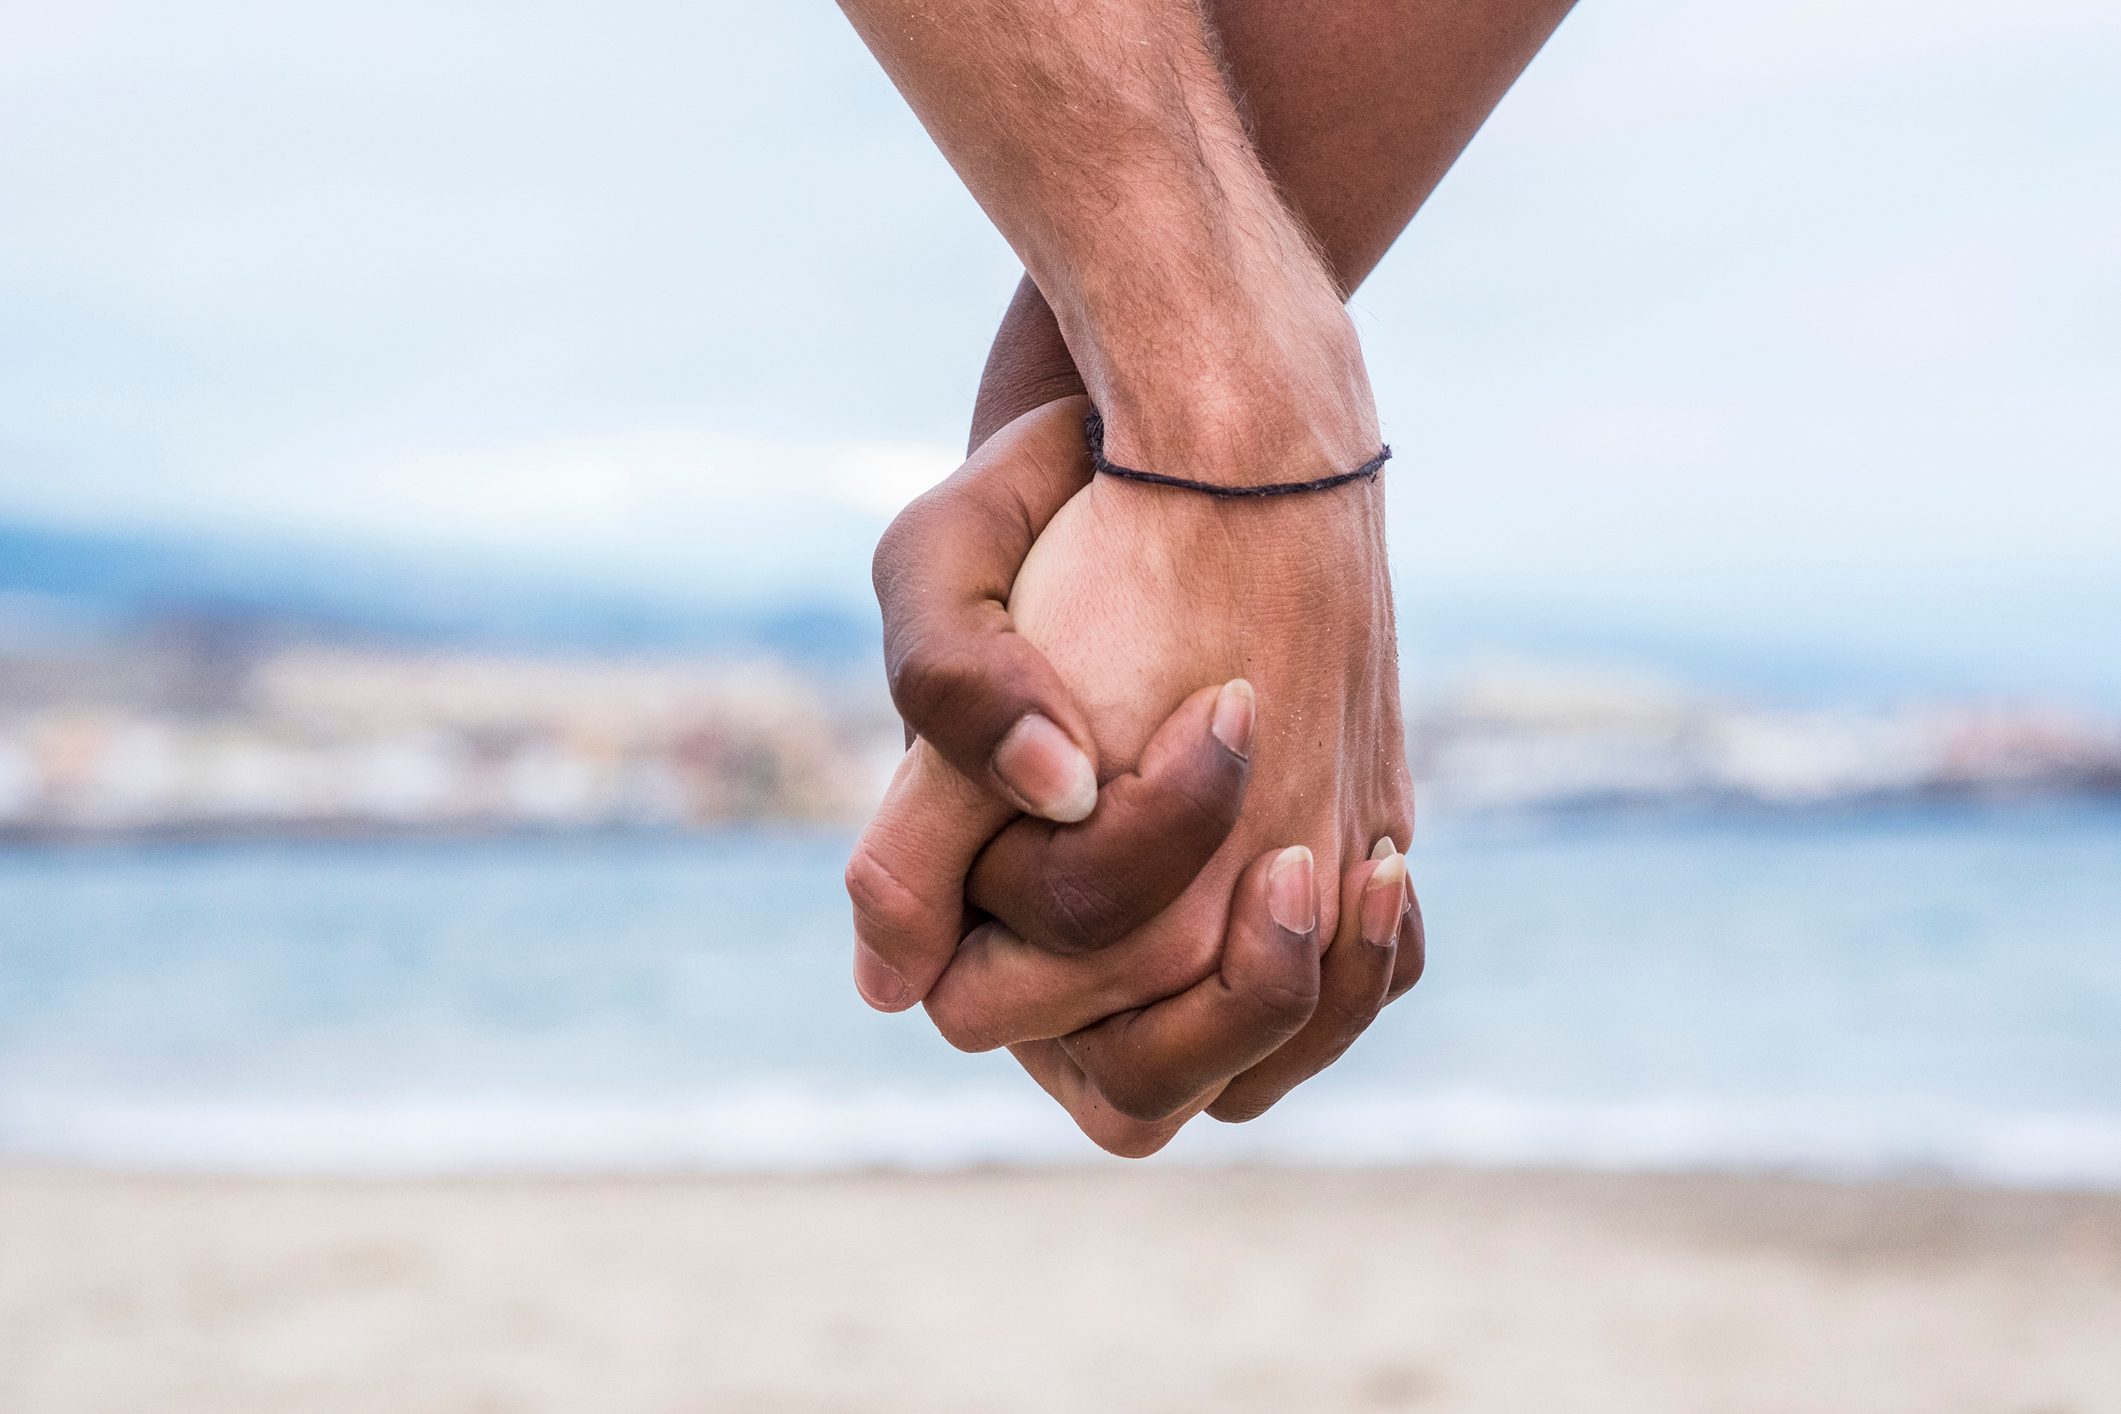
(1356, 111)
(1102, 138)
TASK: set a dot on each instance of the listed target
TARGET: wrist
(1028, 366)
(1209, 333)
(1316, 559)
(1289, 404)
(1227, 376)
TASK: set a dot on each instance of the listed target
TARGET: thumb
(961, 675)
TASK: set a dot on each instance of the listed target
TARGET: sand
(1149, 1288)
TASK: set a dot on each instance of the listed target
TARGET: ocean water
(1858, 994)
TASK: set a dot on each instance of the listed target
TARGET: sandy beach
(1154, 1289)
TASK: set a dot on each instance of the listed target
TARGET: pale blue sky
(1815, 297)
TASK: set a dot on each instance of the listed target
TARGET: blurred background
(440, 450)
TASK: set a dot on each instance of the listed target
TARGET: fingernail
(1049, 774)
(1381, 901)
(877, 980)
(1236, 706)
(1384, 848)
(1291, 896)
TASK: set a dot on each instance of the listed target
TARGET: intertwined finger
(1355, 975)
(999, 990)
(1078, 888)
(1135, 1122)
(1081, 886)
(998, 733)
(906, 878)
(1115, 1133)
(1152, 1062)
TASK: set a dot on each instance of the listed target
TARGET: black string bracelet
(1094, 432)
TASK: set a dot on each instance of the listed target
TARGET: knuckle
(884, 564)
(1141, 1098)
(959, 1025)
(1180, 958)
(1168, 967)
(1343, 1018)
(930, 682)
(1242, 1109)
(884, 908)
(1277, 1004)
(917, 524)
(898, 551)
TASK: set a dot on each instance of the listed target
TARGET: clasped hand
(1148, 832)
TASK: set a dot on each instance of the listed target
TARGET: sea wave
(797, 1127)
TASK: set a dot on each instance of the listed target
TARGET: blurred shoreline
(1150, 1288)
(1452, 820)
(187, 689)
(213, 735)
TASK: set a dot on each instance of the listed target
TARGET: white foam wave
(793, 1127)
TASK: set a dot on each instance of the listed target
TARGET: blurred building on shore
(191, 731)
(308, 739)
(1522, 737)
